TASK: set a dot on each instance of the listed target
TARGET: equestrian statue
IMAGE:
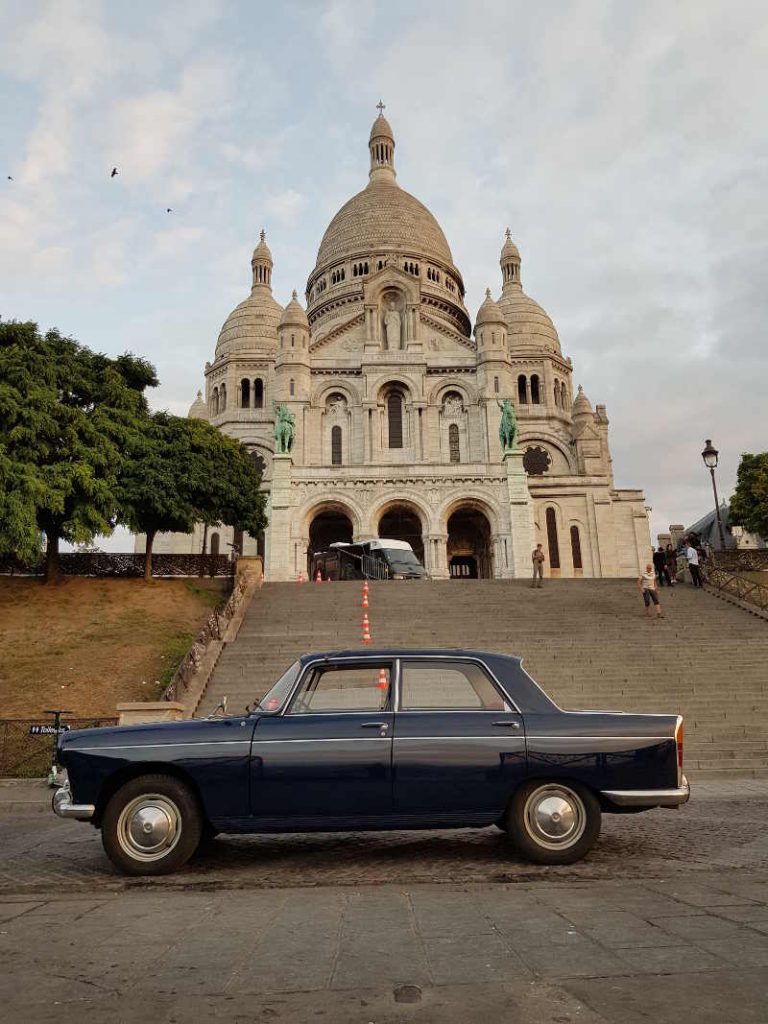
(284, 428)
(508, 425)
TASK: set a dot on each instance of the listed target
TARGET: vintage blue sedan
(374, 739)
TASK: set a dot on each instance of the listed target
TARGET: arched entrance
(400, 522)
(469, 545)
(328, 527)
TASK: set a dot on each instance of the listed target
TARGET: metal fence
(108, 564)
(738, 587)
(752, 560)
(27, 744)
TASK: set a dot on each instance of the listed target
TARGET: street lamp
(710, 456)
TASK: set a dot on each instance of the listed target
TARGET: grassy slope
(87, 644)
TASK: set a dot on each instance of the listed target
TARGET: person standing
(660, 565)
(671, 556)
(537, 557)
(692, 557)
(646, 583)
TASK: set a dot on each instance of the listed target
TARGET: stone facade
(396, 406)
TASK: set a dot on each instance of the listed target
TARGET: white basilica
(395, 398)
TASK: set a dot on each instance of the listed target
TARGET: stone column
(436, 555)
(520, 514)
(279, 549)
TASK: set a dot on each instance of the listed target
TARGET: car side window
(335, 688)
(448, 686)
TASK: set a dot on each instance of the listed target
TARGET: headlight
(398, 576)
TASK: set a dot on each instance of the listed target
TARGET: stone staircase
(585, 641)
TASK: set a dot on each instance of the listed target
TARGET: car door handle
(508, 725)
(374, 725)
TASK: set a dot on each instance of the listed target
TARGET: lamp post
(710, 456)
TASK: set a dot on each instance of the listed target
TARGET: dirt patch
(87, 644)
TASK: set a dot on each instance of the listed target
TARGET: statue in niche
(453, 405)
(337, 405)
(392, 327)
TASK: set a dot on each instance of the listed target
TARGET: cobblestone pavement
(667, 920)
(717, 829)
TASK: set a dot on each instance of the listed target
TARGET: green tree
(66, 414)
(749, 505)
(179, 472)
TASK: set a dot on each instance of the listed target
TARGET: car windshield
(275, 697)
(399, 558)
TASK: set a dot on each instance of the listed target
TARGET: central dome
(381, 218)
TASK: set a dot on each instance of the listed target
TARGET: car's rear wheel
(553, 822)
(151, 826)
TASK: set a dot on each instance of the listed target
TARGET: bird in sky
(114, 173)
(168, 209)
(10, 178)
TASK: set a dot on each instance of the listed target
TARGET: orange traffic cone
(300, 578)
(383, 683)
(365, 600)
(366, 630)
(365, 586)
(319, 577)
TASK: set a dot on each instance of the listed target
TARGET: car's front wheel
(553, 822)
(151, 825)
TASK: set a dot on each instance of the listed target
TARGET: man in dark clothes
(660, 565)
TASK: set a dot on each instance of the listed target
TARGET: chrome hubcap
(555, 816)
(149, 827)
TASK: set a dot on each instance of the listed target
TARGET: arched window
(522, 389)
(336, 446)
(554, 547)
(557, 393)
(535, 396)
(576, 548)
(223, 398)
(245, 394)
(215, 402)
(496, 385)
(214, 543)
(453, 443)
(291, 388)
(395, 419)
(258, 393)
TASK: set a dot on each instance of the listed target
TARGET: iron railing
(109, 564)
(730, 584)
(27, 744)
(752, 560)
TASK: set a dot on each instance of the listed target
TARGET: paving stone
(670, 959)
(699, 927)
(617, 929)
(580, 958)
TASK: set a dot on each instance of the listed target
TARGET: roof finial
(263, 235)
(293, 295)
(487, 293)
(381, 108)
(508, 235)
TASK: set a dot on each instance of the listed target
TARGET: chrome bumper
(63, 806)
(649, 797)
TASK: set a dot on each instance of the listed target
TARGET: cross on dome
(381, 107)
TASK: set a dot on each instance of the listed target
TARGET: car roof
(365, 653)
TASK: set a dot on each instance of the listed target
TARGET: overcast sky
(623, 143)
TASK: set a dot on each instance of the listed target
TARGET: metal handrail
(742, 589)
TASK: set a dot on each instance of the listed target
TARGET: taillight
(679, 744)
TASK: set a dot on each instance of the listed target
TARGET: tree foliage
(749, 504)
(179, 472)
(66, 414)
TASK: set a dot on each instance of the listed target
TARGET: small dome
(198, 411)
(489, 312)
(581, 405)
(527, 323)
(509, 250)
(262, 250)
(251, 326)
(381, 129)
(294, 314)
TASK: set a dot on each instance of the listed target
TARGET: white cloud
(285, 207)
